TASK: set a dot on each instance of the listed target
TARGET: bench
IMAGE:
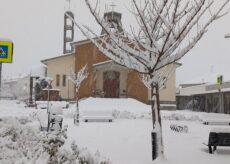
(97, 116)
(216, 122)
(218, 137)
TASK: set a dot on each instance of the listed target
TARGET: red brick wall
(88, 54)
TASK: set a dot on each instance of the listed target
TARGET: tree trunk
(48, 109)
(152, 105)
(156, 118)
(31, 92)
(159, 119)
(76, 115)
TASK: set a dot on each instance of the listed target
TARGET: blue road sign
(3, 51)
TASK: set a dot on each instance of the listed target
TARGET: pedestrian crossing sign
(6, 51)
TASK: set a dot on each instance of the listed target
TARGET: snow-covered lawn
(127, 139)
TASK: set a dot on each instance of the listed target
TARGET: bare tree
(77, 79)
(167, 30)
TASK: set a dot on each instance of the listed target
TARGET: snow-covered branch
(78, 77)
(163, 27)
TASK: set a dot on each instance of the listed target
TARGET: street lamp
(49, 81)
(227, 35)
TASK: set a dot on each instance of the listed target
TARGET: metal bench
(218, 137)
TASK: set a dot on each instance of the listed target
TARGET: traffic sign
(6, 51)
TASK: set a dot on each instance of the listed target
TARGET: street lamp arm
(227, 35)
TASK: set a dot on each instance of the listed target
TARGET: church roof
(56, 57)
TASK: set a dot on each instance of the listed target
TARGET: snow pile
(124, 114)
(54, 104)
(21, 143)
(215, 117)
(126, 108)
(181, 115)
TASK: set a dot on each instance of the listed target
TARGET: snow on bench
(44, 104)
(97, 115)
(216, 121)
(53, 119)
(218, 137)
(56, 118)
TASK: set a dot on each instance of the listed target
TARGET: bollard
(154, 145)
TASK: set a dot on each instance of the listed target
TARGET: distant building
(205, 97)
(20, 87)
(58, 68)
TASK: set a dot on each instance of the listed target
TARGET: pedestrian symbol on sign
(6, 51)
(2, 53)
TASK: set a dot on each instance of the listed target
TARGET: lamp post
(226, 36)
(219, 82)
(48, 102)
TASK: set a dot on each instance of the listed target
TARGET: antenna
(69, 2)
(113, 5)
(112, 8)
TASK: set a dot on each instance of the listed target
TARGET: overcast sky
(36, 28)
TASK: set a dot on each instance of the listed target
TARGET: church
(106, 78)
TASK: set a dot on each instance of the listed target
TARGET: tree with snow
(77, 79)
(40, 84)
(167, 30)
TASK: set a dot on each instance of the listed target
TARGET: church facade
(106, 78)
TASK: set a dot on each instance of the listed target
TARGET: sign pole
(0, 75)
(6, 54)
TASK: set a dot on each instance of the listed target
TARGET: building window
(57, 80)
(63, 80)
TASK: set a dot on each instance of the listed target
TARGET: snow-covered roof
(201, 89)
(108, 62)
(208, 78)
(52, 89)
(56, 57)
(80, 42)
(16, 78)
(102, 63)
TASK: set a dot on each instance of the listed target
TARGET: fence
(218, 102)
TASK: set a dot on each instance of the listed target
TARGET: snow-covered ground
(127, 139)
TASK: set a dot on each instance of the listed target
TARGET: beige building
(58, 68)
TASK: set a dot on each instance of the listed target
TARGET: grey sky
(36, 28)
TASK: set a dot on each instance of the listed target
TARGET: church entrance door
(111, 84)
